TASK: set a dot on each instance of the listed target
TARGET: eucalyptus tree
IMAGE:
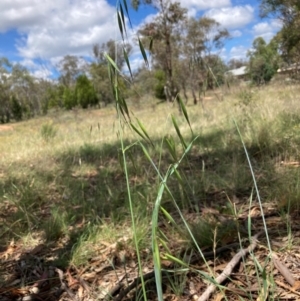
(288, 11)
(18, 95)
(263, 61)
(98, 68)
(70, 67)
(162, 37)
(24, 90)
(114, 50)
(204, 36)
(5, 84)
(235, 63)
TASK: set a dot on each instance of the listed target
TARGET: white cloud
(23, 14)
(52, 28)
(192, 12)
(266, 30)
(42, 74)
(235, 33)
(135, 63)
(238, 52)
(38, 69)
(204, 4)
(148, 19)
(232, 17)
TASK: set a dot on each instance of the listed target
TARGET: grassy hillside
(64, 198)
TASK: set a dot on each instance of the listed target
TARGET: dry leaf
(296, 285)
(219, 297)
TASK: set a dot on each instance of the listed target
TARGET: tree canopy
(288, 11)
(263, 61)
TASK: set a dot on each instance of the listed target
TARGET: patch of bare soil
(6, 128)
(113, 273)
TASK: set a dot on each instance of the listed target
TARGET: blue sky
(39, 33)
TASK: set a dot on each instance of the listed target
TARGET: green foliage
(55, 226)
(215, 70)
(161, 38)
(263, 61)
(70, 67)
(16, 109)
(48, 132)
(54, 96)
(21, 95)
(288, 11)
(69, 98)
(85, 92)
(159, 88)
(98, 69)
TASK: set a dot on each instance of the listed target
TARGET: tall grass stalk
(256, 188)
(121, 108)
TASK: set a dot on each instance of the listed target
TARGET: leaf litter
(28, 274)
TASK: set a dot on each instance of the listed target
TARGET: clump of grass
(48, 132)
(246, 97)
(55, 226)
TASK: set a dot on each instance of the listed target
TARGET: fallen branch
(229, 268)
(283, 270)
(134, 284)
(123, 292)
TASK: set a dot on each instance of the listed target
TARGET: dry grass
(62, 185)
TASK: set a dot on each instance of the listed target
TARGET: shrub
(16, 109)
(160, 84)
(69, 98)
(85, 92)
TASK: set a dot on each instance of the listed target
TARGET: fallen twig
(64, 286)
(134, 284)
(148, 276)
(283, 270)
(290, 289)
(229, 268)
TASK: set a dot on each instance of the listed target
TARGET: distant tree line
(81, 83)
(184, 54)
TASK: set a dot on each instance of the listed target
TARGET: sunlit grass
(70, 189)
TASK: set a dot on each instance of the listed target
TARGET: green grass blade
(155, 214)
(178, 132)
(167, 215)
(175, 260)
(184, 111)
(143, 53)
(165, 246)
(178, 177)
(155, 245)
(256, 187)
(138, 131)
(124, 107)
(111, 62)
(157, 208)
(151, 45)
(120, 25)
(127, 61)
(171, 147)
(122, 17)
(126, 9)
(144, 131)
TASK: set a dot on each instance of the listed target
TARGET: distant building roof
(293, 67)
(238, 72)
